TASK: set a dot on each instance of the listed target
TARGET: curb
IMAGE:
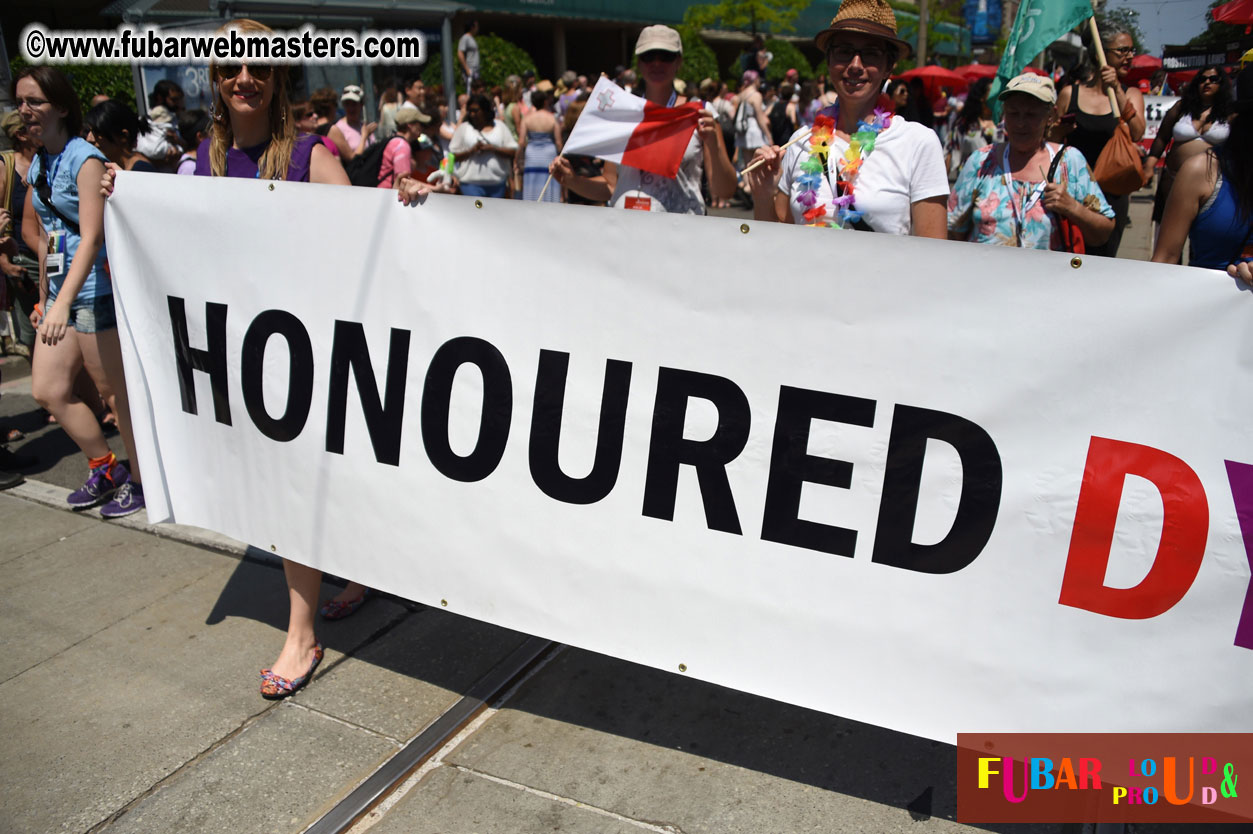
(50, 495)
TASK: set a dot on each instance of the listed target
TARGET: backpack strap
(45, 193)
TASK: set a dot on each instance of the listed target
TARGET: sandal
(11, 435)
(274, 687)
(339, 609)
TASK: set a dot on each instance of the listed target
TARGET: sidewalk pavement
(129, 682)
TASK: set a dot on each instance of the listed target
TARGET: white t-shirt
(646, 191)
(907, 165)
(484, 167)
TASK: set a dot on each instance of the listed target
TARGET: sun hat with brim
(865, 17)
(409, 115)
(11, 123)
(1037, 86)
(659, 37)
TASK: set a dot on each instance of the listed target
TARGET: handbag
(1118, 169)
(1071, 234)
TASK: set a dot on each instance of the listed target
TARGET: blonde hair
(277, 157)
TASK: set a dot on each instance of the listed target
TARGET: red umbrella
(1237, 11)
(934, 77)
(974, 71)
(1143, 66)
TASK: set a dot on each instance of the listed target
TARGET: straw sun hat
(866, 17)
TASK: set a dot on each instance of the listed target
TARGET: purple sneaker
(101, 484)
(128, 499)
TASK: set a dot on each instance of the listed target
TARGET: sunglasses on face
(261, 72)
(1210, 79)
(1121, 50)
(658, 55)
(842, 53)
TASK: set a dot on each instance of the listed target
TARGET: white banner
(840, 470)
(1155, 109)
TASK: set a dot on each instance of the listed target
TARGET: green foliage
(699, 61)
(114, 80)
(787, 56)
(1217, 32)
(1128, 19)
(499, 59)
(746, 15)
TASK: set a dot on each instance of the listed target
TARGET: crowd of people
(837, 154)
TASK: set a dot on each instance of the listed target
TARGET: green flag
(1038, 24)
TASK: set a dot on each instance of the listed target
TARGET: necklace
(842, 212)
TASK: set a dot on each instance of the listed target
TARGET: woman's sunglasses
(261, 72)
(658, 55)
(1210, 79)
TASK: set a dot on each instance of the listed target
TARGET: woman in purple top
(254, 135)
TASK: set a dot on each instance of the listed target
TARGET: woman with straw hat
(860, 166)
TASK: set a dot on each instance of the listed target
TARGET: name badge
(639, 203)
(54, 264)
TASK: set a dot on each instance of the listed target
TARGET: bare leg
(303, 586)
(352, 592)
(102, 356)
(53, 369)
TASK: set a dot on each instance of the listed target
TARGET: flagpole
(1099, 48)
(547, 181)
(790, 143)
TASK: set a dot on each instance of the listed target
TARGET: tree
(500, 59)
(1217, 32)
(1128, 19)
(113, 80)
(699, 61)
(751, 16)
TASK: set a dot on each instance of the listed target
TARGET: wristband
(39, 310)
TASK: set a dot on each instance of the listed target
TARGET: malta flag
(619, 127)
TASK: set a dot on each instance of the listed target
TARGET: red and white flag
(619, 127)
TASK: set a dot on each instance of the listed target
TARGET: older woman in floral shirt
(1003, 195)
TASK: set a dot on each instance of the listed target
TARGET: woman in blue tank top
(1211, 203)
(75, 317)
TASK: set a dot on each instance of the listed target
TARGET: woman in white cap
(892, 179)
(1005, 194)
(659, 52)
(350, 136)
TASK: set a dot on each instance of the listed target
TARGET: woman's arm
(1193, 185)
(337, 136)
(1095, 226)
(1163, 137)
(324, 167)
(718, 169)
(1060, 131)
(90, 239)
(32, 228)
(759, 110)
(927, 218)
(598, 189)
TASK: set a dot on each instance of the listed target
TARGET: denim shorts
(91, 315)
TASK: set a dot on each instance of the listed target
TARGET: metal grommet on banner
(1076, 262)
(682, 667)
(271, 186)
(273, 549)
(478, 204)
(444, 602)
(744, 228)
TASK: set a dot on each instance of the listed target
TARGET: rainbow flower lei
(843, 211)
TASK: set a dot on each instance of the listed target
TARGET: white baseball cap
(352, 93)
(659, 37)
